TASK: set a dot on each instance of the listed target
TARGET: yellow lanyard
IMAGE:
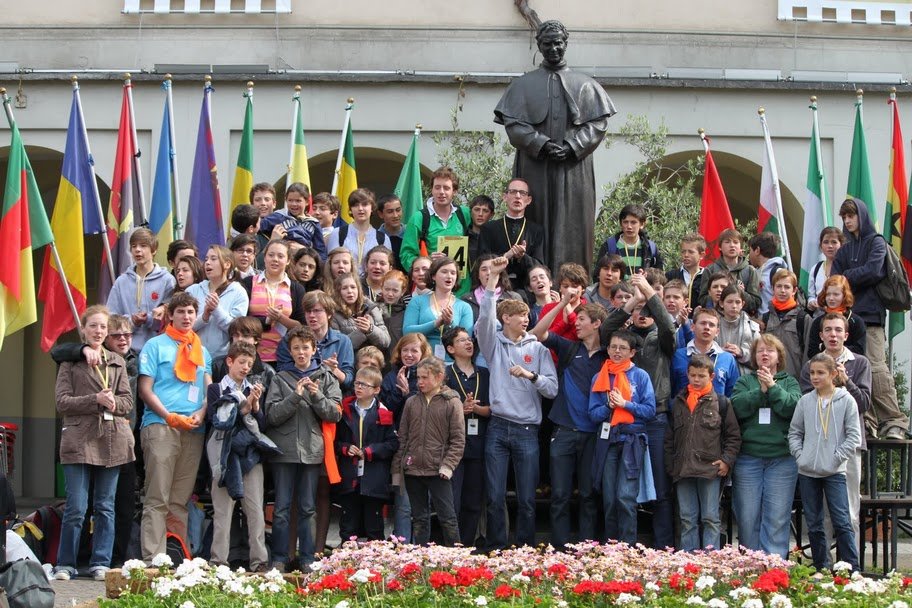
(140, 285)
(103, 377)
(824, 415)
(522, 230)
(361, 426)
(271, 293)
(362, 237)
(461, 387)
(435, 307)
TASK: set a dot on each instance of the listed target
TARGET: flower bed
(388, 574)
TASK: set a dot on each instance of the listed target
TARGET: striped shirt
(261, 297)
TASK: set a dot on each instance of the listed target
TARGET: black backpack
(426, 223)
(893, 290)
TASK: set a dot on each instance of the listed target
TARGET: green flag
(408, 188)
(860, 185)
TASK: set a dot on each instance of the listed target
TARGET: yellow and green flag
(298, 171)
(243, 174)
(346, 176)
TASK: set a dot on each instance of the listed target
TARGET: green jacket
(410, 240)
(765, 440)
(294, 422)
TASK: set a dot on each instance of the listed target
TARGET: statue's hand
(560, 152)
(552, 150)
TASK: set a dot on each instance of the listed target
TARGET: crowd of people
(312, 362)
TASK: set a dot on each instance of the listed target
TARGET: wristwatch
(534, 378)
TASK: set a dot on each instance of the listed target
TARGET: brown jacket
(694, 440)
(86, 437)
(431, 436)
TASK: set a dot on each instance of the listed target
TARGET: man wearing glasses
(514, 236)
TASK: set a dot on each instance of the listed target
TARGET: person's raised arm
(540, 330)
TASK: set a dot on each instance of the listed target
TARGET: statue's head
(552, 41)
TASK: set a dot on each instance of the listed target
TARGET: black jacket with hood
(861, 261)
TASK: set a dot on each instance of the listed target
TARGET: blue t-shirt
(157, 361)
(571, 406)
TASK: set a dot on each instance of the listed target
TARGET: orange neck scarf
(841, 309)
(602, 384)
(694, 395)
(189, 353)
(784, 306)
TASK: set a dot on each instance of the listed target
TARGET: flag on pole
(124, 204)
(346, 178)
(408, 188)
(75, 214)
(715, 215)
(298, 170)
(204, 211)
(161, 212)
(770, 215)
(860, 185)
(23, 227)
(895, 208)
(818, 212)
(243, 173)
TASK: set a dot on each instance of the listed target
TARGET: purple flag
(204, 211)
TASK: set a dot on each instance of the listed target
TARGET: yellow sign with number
(457, 249)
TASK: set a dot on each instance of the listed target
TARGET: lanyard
(824, 415)
(140, 285)
(104, 378)
(462, 389)
(522, 230)
(360, 426)
(435, 308)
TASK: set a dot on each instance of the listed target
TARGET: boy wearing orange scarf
(621, 401)
(174, 371)
(787, 321)
(701, 445)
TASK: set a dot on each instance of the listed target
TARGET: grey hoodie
(157, 288)
(819, 454)
(742, 332)
(515, 399)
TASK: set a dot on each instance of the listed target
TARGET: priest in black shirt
(514, 236)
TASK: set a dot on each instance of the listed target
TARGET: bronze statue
(556, 118)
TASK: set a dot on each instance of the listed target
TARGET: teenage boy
(706, 329)
(245, 219)
(620, 403)
(141, 288)
(249, 423)
(472, 384)
(481, 210)
(439, 217)
(674, 297)
(571, 278)
(763, 254)
(701, 447)
(360, 236)
(174, 371)
(732, 262)
(631, 242)
(244, 252)
(609, 270)
(693, 247)
(652, 324)
(365, 444)
(572, 444)
(179, 249)
(522, 372)
(514, 236)
(292, 222)
(861, 261)
(389, 210)
(263, 197)
(327, 210)
(248, 330)
(854, 373)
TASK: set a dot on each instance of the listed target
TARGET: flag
(126, 196)
(23, 227)
(770, 217)
(161, 211)
(408, 188)
(895, 207)
(204, 211)
(715, 215)
(298, 171)
(347, 176)
(243, 173)
(75, 214)
(860, 185)
(818, 212)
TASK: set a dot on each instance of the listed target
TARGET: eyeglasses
(359, 384)
(513, 191)
(119, 336)
(621, 348)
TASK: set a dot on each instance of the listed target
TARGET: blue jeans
(698, 501)
(77, 477)
(662, 510)
(520, 441)
(763, 491)
(837, 499)
(572, 452)
(619, 496)
(288, 476)
(402, 515)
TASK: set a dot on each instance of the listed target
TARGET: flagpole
(702, 133)
(824, 196)
(295, 103)
(774, 174)
(348, 113)
(101, 217)
(9, 116)
(177, 225)
(128, 84)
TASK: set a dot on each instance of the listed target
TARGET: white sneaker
(61, 574)
(99, 573)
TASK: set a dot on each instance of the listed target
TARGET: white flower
(780, 601)
(562, 604)
(653, 587)
(361, 576)
(753, 603)
(842, 567)
(186, 568)
(520, 578)
(717, 602)
(625, 599)
(899, 604)
(824, 599)
(704, 582)
(342, 604)
(163, 587)
(481, 601)
(741, 592)
(162, 560)
(695, 600)
(132, 567)
(598, 577)
(270, 587)
(253, 604)
(316, 566)
(224, 573)
(188, 604)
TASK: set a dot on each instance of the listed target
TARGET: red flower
(466, 577)
(439, 578)
(536, 573)
(394, 585)
(154, 296)
(506, 591)
(771, 581)
(337, 581)
(411, 569)
(841, 580)
(611, 587)
(906, 581)
(558, 569)
(680, 583)
(691, 568)
(735, 582)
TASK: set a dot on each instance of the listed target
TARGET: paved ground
(74, 592)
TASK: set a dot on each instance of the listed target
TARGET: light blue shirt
(233, 303)
(157, 361)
